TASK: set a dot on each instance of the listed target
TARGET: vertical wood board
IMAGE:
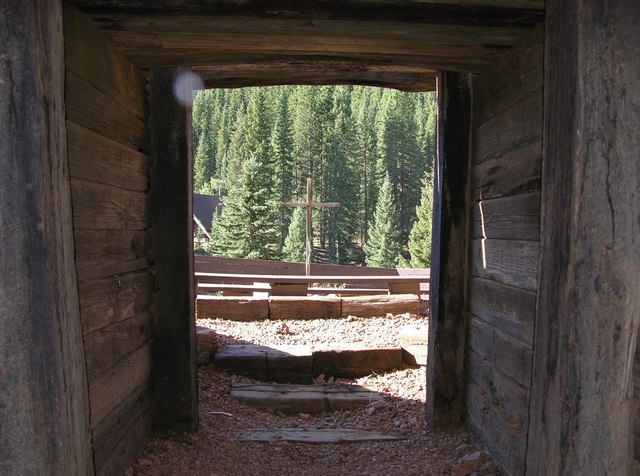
(588, 307)
(175, 363)
(44, 426)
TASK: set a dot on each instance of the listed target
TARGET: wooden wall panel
(109, 173)
(44, 408)
(505, 232)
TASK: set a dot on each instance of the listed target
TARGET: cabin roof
(203, 207)
(398, 44)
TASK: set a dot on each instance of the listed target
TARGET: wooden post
(44, 416)
(176, 398)
(448, 315)
(588, 306)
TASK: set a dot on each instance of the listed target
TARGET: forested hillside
(256, 146)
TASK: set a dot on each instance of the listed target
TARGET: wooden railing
(241, 276)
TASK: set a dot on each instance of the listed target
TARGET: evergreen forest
(370, 149)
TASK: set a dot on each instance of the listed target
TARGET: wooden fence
(243, 276)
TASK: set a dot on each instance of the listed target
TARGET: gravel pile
(214, 451)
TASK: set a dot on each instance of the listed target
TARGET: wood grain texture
(511, 356)
(103, 207)
(511, 129)
(510, 173)
(108, 390)
(106, 346)
(104, 253)
(90, 56)
(128, 448)
(488, 423)
(44, 427)
(510, 309)
(501, 390)
(175, 363)
(282, 42)
(512, 218)
(510, 262)
(96, 158)
(116, 430)
(448, 316)
(95, 110)
(589, 292)
(114, 299)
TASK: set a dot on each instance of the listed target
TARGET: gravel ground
(213, 451)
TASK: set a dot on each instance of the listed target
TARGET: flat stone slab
(233, 308)
(291, 399)
(355, 360)
(314, 436)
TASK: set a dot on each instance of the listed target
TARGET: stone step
(292, 399)
(298, 364)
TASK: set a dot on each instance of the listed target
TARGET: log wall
(505, 234)
(109, 173)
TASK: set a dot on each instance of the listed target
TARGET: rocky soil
(214, 451)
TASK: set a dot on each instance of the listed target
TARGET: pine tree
(420, 236)
(249, 217)
(296, 242)
(383, 245)
(281, 151)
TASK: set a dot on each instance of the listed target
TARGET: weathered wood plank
(113, 299)
(129, 447)
(292, 399)
(175, 362)
(282, 307)
(510, 262)
(117, 426)
(354, 360)
(103, 207)
(517, 171)
(510, 309)
(509, 355)
(103, 253)
(112, 74)
(511, 129)
(217, 264)
(232, 308)
(511, 218)
(488, 423)
(45, 411)
(448, 316)
(95, 110)
(314, 436)
(518, 74)
(588, 308)
(290, 364)
(501, 390)
(107, 345)
(96, 158)
(109, 389)
(371, 306)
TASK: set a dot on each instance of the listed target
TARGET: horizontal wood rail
(299, 279)
(238, 276)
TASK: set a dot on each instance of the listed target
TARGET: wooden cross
(309, 205)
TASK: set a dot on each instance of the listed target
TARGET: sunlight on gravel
(213, 450)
